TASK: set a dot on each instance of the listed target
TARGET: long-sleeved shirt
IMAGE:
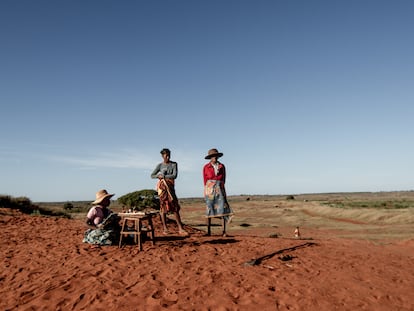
(209, 172)
(167, 170)
(97, 214)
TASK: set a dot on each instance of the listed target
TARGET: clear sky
(300, 96)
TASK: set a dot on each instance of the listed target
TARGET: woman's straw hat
(213, 153)
(101, 195)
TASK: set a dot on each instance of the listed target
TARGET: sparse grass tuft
(388, 204)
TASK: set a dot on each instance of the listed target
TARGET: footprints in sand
(163, 298)
(53, 270)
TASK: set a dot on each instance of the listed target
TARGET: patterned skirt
(99, 237)
(107, 235)
(168, 198)
(216, 200)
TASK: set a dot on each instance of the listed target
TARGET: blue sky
(300, 96)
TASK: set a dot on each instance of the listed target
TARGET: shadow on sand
(258, 261)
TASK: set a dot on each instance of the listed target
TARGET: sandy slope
(45, 266)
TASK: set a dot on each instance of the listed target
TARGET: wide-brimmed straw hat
(101, 195)
(213, 153)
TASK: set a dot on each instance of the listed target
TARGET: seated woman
(104, 224)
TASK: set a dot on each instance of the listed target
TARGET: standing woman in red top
(214, 175)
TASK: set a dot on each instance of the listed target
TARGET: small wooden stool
(137, 229)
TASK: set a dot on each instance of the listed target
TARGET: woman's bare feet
(183, 232)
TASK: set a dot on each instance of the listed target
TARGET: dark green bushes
(140, 200)
(68, 206)
(22, 204)
(26, 206)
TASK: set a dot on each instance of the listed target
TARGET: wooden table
(137, 229)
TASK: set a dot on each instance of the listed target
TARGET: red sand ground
(45, 266)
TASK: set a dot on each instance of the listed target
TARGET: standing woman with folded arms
(214, 175)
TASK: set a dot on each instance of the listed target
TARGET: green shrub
(68, 206)
(140, 200)
(26, 206)
(21, 203)
(5, 201)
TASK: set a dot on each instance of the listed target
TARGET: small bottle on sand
(297, 233)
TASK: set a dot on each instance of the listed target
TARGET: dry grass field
(365, 215)
(373, 216)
